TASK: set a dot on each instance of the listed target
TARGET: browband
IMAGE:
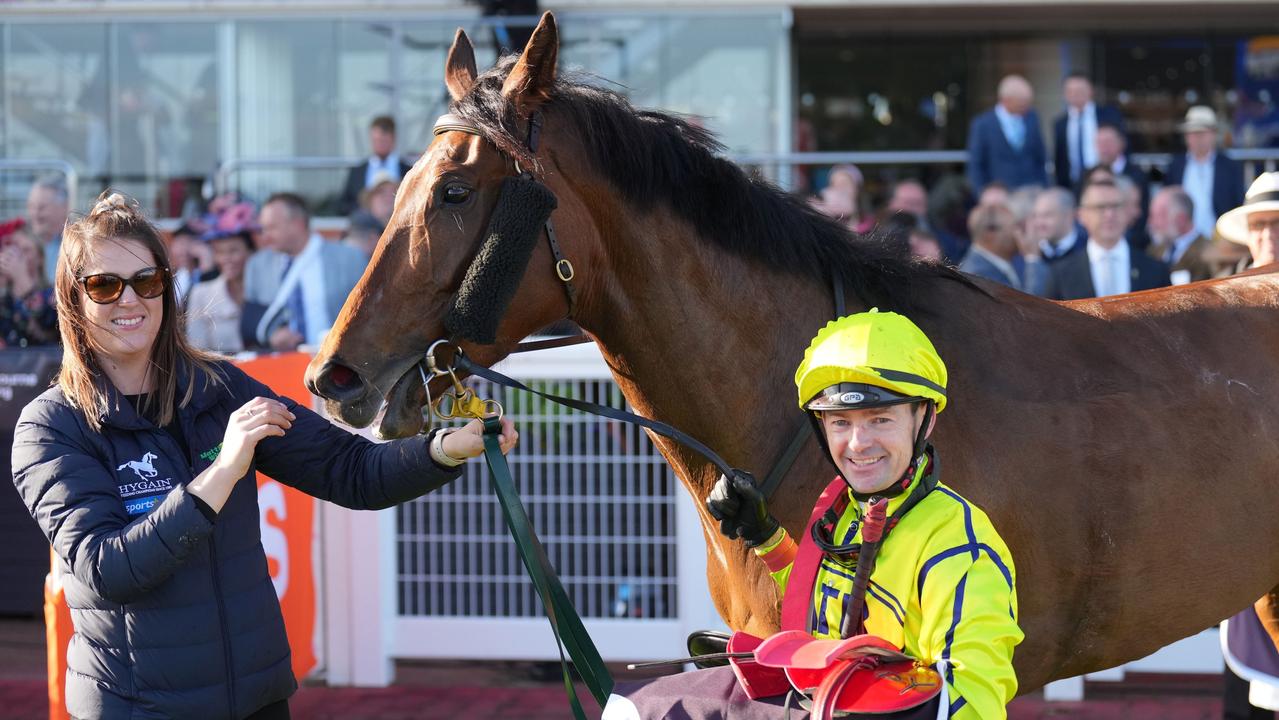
(450, 122)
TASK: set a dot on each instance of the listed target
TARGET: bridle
(563, 267)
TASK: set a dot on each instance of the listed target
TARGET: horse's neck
(706, 341)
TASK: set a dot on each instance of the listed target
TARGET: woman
(27, 315)
(139, 466)
(214, 306)
(842, 199)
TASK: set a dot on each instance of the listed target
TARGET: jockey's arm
(968, 631)
(778, 553)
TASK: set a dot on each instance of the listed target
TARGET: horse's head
(465, 257)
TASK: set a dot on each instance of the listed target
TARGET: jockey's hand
(741, 510)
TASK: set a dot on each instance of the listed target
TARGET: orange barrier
(57, 628)
(288, 528)
(288, 520)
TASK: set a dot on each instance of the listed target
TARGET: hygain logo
(147, 491)
(144, 469)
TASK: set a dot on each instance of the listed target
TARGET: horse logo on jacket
(143, 468)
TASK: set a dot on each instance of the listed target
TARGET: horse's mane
(654, 157)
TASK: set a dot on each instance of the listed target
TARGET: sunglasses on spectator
(106, 288)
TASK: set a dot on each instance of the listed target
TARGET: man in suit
(1108, 266)
(1112, 151)
(47, 207)
(997, 242)
(383, 160)
(300, 279)
(1075, 131)
(1213, 181)
(1006, 143)
(1176, 241)
(1052, 224)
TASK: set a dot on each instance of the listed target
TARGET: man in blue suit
(1213, 181)
(1006, 143)
(1075, 131)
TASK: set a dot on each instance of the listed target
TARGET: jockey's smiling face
(872, 447)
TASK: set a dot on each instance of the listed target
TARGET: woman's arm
(74, 499)
(327, 462)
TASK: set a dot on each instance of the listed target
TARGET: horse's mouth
(403, 413)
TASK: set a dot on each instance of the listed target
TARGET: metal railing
(232, 166)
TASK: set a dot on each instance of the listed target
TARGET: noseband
(563, 268)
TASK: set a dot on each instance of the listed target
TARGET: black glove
(741, 510)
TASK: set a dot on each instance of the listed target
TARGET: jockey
(942, 589)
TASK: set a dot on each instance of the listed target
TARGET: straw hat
(1262, 195)
(1198, 117)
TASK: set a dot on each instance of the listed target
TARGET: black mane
(653, 157)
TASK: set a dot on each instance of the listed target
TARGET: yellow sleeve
(779, 555)
(969, 607)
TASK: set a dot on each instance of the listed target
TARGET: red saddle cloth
(863, 674)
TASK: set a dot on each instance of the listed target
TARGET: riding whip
(872, 534)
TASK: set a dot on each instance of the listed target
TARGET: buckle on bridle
(564, 269)
(460, 402)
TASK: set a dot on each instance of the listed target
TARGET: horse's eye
(456, 194)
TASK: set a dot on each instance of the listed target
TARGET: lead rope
(566, 625)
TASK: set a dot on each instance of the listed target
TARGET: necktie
(297, 311)
(1077, 162)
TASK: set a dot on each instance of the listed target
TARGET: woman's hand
(468, 441)
(16, 268)
(257, 419)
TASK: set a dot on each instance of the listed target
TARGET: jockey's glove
(741, 509)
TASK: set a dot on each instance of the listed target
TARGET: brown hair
(114, 218)
(385, 123)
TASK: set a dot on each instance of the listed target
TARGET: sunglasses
(106, 288)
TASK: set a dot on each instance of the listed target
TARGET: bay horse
(1124, 447)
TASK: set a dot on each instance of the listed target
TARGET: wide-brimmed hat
(1198, 117)
(1262, 195)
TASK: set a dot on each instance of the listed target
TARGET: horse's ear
(459, 70)
(531, 79)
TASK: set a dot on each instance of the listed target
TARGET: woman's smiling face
(125, 329)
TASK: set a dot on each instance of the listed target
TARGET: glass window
(287, 88)
(164, 121)
(720, 69)
(56, 97)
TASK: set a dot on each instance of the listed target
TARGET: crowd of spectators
(254, 278)
(1095, 226)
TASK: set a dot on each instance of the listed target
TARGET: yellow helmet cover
(882, 349)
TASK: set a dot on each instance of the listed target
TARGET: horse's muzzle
(348, 396)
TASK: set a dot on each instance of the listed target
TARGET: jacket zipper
(217, 578)
(217, 581)
(226, 641)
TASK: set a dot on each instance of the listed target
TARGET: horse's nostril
(342, 377)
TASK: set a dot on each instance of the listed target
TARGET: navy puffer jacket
(176, 617)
